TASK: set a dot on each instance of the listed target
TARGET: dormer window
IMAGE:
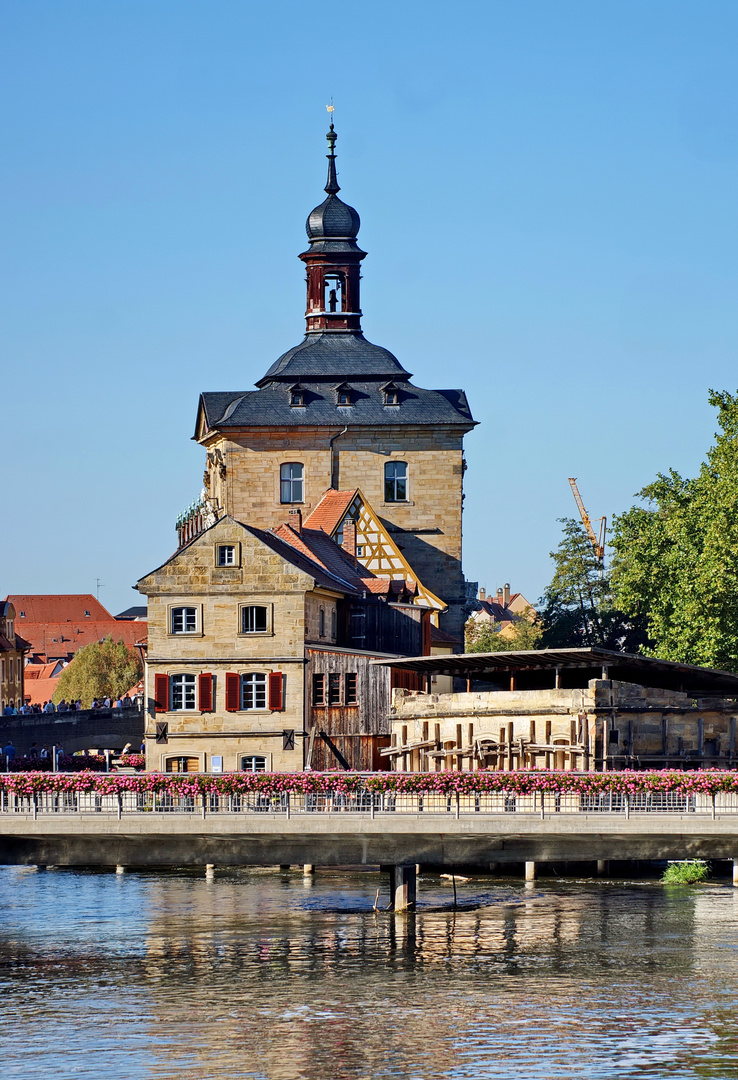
(344, 395)
(297, 396)
(391, 393)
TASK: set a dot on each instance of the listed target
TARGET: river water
(266, 974)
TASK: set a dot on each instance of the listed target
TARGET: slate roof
(270, 407)
(335, 355)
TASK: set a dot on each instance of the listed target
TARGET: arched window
(184, 620)
(333, 292)
(182, 688)
(395, 481)
(253, 691)
(254, 619)
(291, 482)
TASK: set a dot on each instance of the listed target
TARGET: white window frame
(223, 551)
(187, 692)
(394, 479)
(291, 485)
(253, 687)
(254, 758)
(171, 614)
(243, 608)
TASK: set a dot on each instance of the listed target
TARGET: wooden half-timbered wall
(345, 735)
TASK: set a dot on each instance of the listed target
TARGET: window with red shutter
(231, 687)
(161, 692)
(205, 693)
(276, 702)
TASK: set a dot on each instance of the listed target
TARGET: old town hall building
(328, 532)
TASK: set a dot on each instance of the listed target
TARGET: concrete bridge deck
(103, 834)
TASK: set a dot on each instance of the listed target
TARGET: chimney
(482, 594)
(500, 598)
(506, 594)
(296, 520)
(349, 538)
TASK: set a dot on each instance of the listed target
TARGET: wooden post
(403, 888)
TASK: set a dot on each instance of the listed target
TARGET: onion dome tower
(333, 260)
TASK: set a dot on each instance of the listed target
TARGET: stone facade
(243, 480)
(218, 647)
(609, 724)
(227, 690)
(12, 652)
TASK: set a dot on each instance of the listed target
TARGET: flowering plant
(524, 782)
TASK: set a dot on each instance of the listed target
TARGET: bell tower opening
(333, 293)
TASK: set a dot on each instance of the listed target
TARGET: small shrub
(688, 872)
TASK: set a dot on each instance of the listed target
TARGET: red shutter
(231, 692)
(205, 692)
(276, 697)
(161, 692)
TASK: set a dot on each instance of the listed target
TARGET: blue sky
(547, 192)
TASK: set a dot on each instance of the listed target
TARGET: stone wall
(427, 527)
(607, 724)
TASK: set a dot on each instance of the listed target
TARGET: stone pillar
(403, 885)
(209, 871)
(530, 871)
(120, 869)
(308, 868)
(603, 868)
(735, 872)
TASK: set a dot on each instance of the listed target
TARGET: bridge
(397, 831)
(87, 729)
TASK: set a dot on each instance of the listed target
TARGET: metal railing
(368, 803)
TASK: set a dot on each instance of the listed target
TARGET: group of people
(34, 753)
(69, 706)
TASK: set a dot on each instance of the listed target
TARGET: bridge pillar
(735, 872)
(403, 887)
(209, 871)
(603, 867)
(308, 868)
(530, 871)
(120, 869)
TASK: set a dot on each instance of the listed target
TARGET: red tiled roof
(40, 671)
(43, 608)
(37, 691)
(330, 510)
(320, 548)
(62, 639)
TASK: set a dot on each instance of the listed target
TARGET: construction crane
(598, 542)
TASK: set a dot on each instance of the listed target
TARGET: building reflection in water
(267, 974)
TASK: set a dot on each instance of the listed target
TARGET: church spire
(332, 186)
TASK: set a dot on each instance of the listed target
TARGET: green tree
(578, 608)
(103, 669)
(676, 557)
(483, 637)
